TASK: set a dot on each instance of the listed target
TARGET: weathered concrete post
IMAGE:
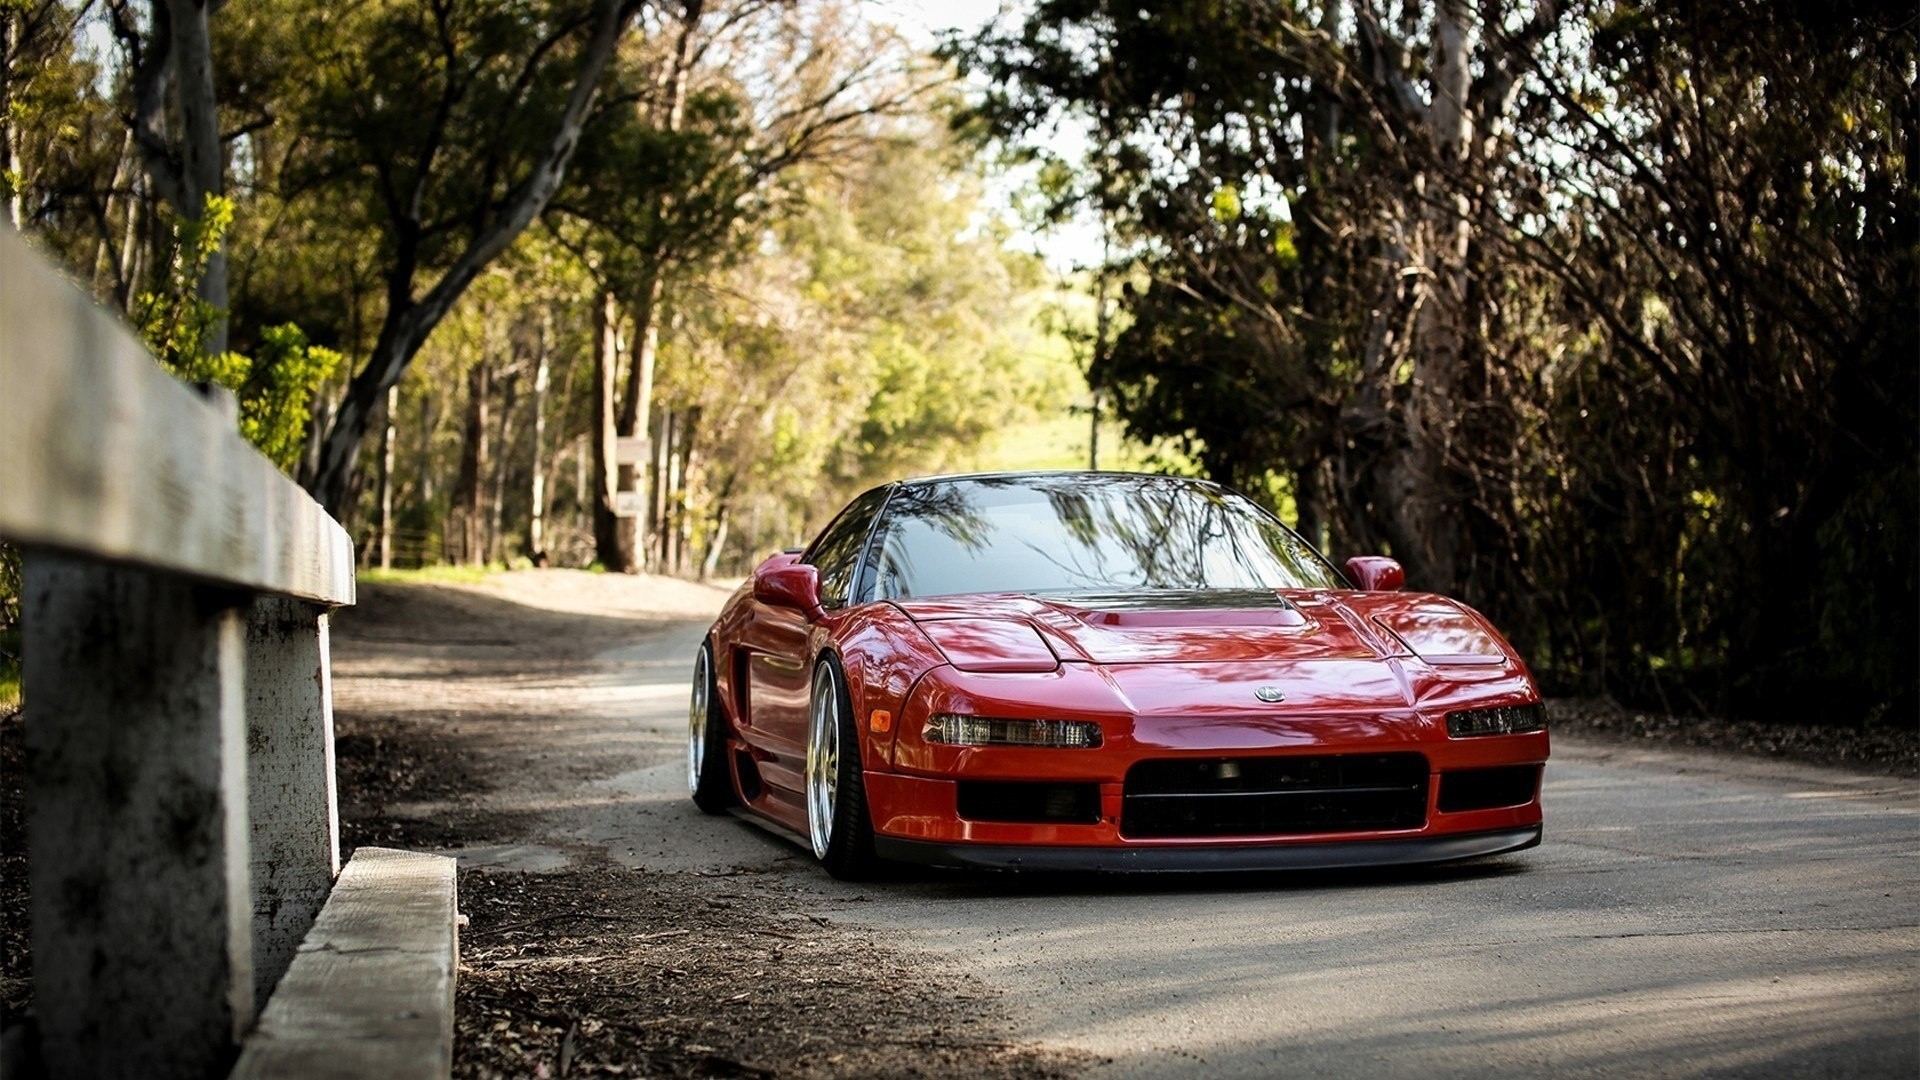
(291, 796)
(136, 820)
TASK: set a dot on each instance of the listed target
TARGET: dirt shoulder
(599, 969)
(1882, 750)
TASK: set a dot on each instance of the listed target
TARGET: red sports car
(1105, 671)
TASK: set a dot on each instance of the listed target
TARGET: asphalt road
(1687, 915)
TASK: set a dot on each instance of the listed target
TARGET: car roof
(1082, 476)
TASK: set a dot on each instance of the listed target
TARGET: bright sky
(1067, 247)
(922, 20)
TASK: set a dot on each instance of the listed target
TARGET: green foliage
(878, 331)
(60, 130)
(448, 103)
(277, 394)
(173, 319)
(430, 575)
(275, 386)
(1870, 570)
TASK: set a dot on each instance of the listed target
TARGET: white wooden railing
(182, 823)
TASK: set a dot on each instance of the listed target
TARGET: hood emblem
(1270, 694)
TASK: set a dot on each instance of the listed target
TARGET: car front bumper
(1211, 858)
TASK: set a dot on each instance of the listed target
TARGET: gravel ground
(607, 970)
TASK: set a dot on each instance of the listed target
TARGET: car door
(779, 672)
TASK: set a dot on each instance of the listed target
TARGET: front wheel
(707, 778)
(838, 824)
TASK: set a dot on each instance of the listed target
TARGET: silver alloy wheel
(697, 720)
(823, 760)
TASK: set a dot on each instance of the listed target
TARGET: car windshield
(1084, 533)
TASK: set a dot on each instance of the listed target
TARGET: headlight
(1501, 720)
(986, 731)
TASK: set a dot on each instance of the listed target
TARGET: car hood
(990, 632)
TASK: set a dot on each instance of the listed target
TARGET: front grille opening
(1488, 789)
(1275, 796)
(1029, 802)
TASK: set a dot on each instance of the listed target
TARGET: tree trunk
(503, 443)
(466, 521)
(567, 454)
(319, 411)
(1404, 460)
(106, 258)
(409, 322)
(387, 440)
(582, 510)
(1310, 507)
(668, 111)
(9, 130)
(1427, 477)
(537, 497)
(673, 507)
(689, 474)
(716, 545)
(659, 488)
(128, 287)
(1102, 324)
(203, 167)
(612, 534)
(636, 404)
(1093, 431)
(185, 170)
(427, 489)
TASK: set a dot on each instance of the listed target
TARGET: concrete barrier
(370, 993)
(182, 822)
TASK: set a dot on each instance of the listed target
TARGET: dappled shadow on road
(1490, 967)
(1752, 1008)
(443, 695)
(1565, 960)
(429, 633)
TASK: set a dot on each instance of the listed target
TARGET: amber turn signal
(880, 721)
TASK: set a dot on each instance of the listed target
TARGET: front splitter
(1210, 859)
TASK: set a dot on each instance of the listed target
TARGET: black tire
(709, 778)
(847, 849)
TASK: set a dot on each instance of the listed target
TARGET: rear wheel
(838, 824)
(707, 777)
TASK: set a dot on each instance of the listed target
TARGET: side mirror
(1376, 573)
(784, 583)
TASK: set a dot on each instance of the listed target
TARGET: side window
(837, 552)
